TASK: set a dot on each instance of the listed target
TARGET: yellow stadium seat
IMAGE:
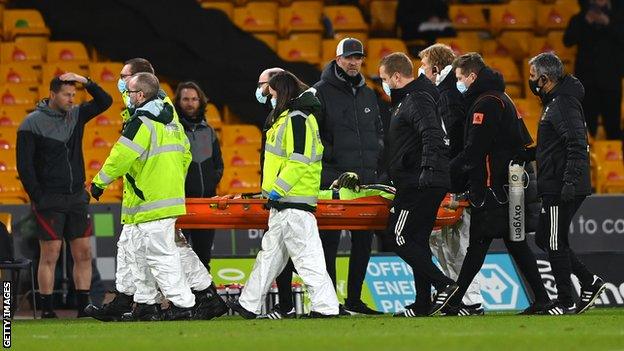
(23, 22)
(7, 161)
(94, 159)
(555, 16)
(514, 44)
(213, 116)
(378, 49)
(19, 73)
(103, 72)
(13, 115)
(164, 86)
(113, 91)
(383, 15)
(552, 43)
(109, 118)
(530, 110)
(301, 16)
(8, 137)
(40, 42)
(506, 66)
(241, 157)
(257, 17)
(63, 51)
(461, 45)
(51, 70)
(270, 39)
(11, 188)
(11, 94)
(99, 138)
(345, 18)
(300, 48)
(240, 135)
(224, 6)
(239, 181)
(469, 17)
(20, 52)
(513, 16)
(610, 177)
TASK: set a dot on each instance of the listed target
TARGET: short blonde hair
(439, 55)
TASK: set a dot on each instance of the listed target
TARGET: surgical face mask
(273, 102)
(461, 86)
(421, 71)
(121, 85)
(386, 88)
(260, 97)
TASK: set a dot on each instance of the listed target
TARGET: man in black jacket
(494, 135)
(352, 135)
(51, 166)
(449, 244)
(418, 168)
(206, 168)
(598, 32)
(562, 177)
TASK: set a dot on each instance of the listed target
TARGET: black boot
(111, 311)
(208, 304)
(143, 312)
(175, 313)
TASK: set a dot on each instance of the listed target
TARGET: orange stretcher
(366, 213)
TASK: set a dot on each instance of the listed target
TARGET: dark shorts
(63, 216)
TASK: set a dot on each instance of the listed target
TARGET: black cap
(349, 46)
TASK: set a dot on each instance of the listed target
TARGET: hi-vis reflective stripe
(300, 158)
(152, 129)
(105, 178)
(131, 145)
(282, 184)
(315, 139)
(310, 200)
(152, 206)
(166, 148)
(154, 148)
(275, 150)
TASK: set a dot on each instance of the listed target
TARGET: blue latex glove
(273, 195)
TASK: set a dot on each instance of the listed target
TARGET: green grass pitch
(598, 329)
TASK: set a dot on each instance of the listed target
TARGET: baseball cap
(349, 46)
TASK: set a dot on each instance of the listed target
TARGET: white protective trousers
(196, 274)
(155, 263)
(449, 246)
(292, 233)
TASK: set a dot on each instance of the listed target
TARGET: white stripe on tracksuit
(554, 227)
(398, 227)
(292, 233)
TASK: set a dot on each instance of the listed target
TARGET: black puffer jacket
(416, 138)
(453, 112)
(206, 169)
(562, 152)
(494, 135)
(350, 126)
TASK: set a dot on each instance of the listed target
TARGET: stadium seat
(241, 157)
(8, 137)
(164, 86)
(239, 181)
(7, 162)
(23, 22)
(103, 72)
(109, 118)
(301, 16)
(519, 15)
(213, 116)
(99, 138)
(553, 42)
(467, 17)
(20, 52)
(378, 49)
(94, 158)
(19, 73)
(11, 188)
(224, 6)
(530, 110)
(555, 16)
(51, 70)
(257, 17)
(345, 18)
(270, 39)
(240, 135)
(610, 177)
(383, 15)
(510, 71)
(13, 115)
(300, 47)
(63, 51)
(113, 91)
(461, 45)
(513, 44)
(17, 95)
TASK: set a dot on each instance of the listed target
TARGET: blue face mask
(386, 88)
(121, 85)
(261, 98)
(273, 102)
(461, 87)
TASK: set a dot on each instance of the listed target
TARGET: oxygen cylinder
(516, 202)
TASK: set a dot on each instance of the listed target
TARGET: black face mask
(534, 86)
